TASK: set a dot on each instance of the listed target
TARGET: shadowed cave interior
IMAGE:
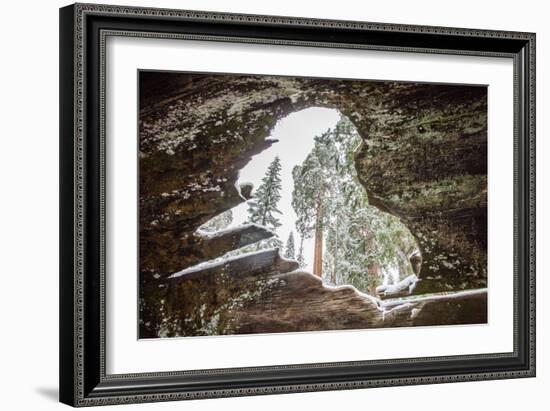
(421, 158)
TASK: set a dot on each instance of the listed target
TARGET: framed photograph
(261, 204)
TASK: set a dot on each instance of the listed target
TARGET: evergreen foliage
(289, 249)
(363, 246)
(262, 208)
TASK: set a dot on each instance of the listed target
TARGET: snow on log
(404, 287)
(274, 296)
(448, 308)
(441, 297)
(250, 264)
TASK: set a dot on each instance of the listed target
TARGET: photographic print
(272, 204)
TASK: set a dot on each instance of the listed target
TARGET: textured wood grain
(423, 159)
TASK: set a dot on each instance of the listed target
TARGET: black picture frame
(83, 381)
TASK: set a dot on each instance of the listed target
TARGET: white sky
(295, 134)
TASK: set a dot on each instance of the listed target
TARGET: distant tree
(311, 197)
(289, 249)
(355, 243)
(300, 257)
(326, 190)
(219, 222)
(262, 208)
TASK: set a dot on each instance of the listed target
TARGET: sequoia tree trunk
(318, 250)
(335, 259)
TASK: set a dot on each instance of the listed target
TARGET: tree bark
(217, 244)
(240, 266)
(318, 250)
(335, 265)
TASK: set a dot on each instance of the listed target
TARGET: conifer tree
(313, 187)
(262, 208)
(289, 249)
(355, 243)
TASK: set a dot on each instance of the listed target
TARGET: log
(453, 137)
(449, 308)
(273, 296)
(438, 297)
(216, 244)
(299, 301)
(246, 265)
(404, 287)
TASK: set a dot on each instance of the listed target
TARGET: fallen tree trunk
(272, 296)
(440, 297)
(211, 246)
(460, 307)
(404, 287)
(245, 265)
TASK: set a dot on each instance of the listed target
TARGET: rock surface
(423, 158)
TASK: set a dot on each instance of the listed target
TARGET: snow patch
(294, 98)
(236, 229)
(238, 186)
(389, 304)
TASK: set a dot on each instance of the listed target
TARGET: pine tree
(262, 208)
(289, 249)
